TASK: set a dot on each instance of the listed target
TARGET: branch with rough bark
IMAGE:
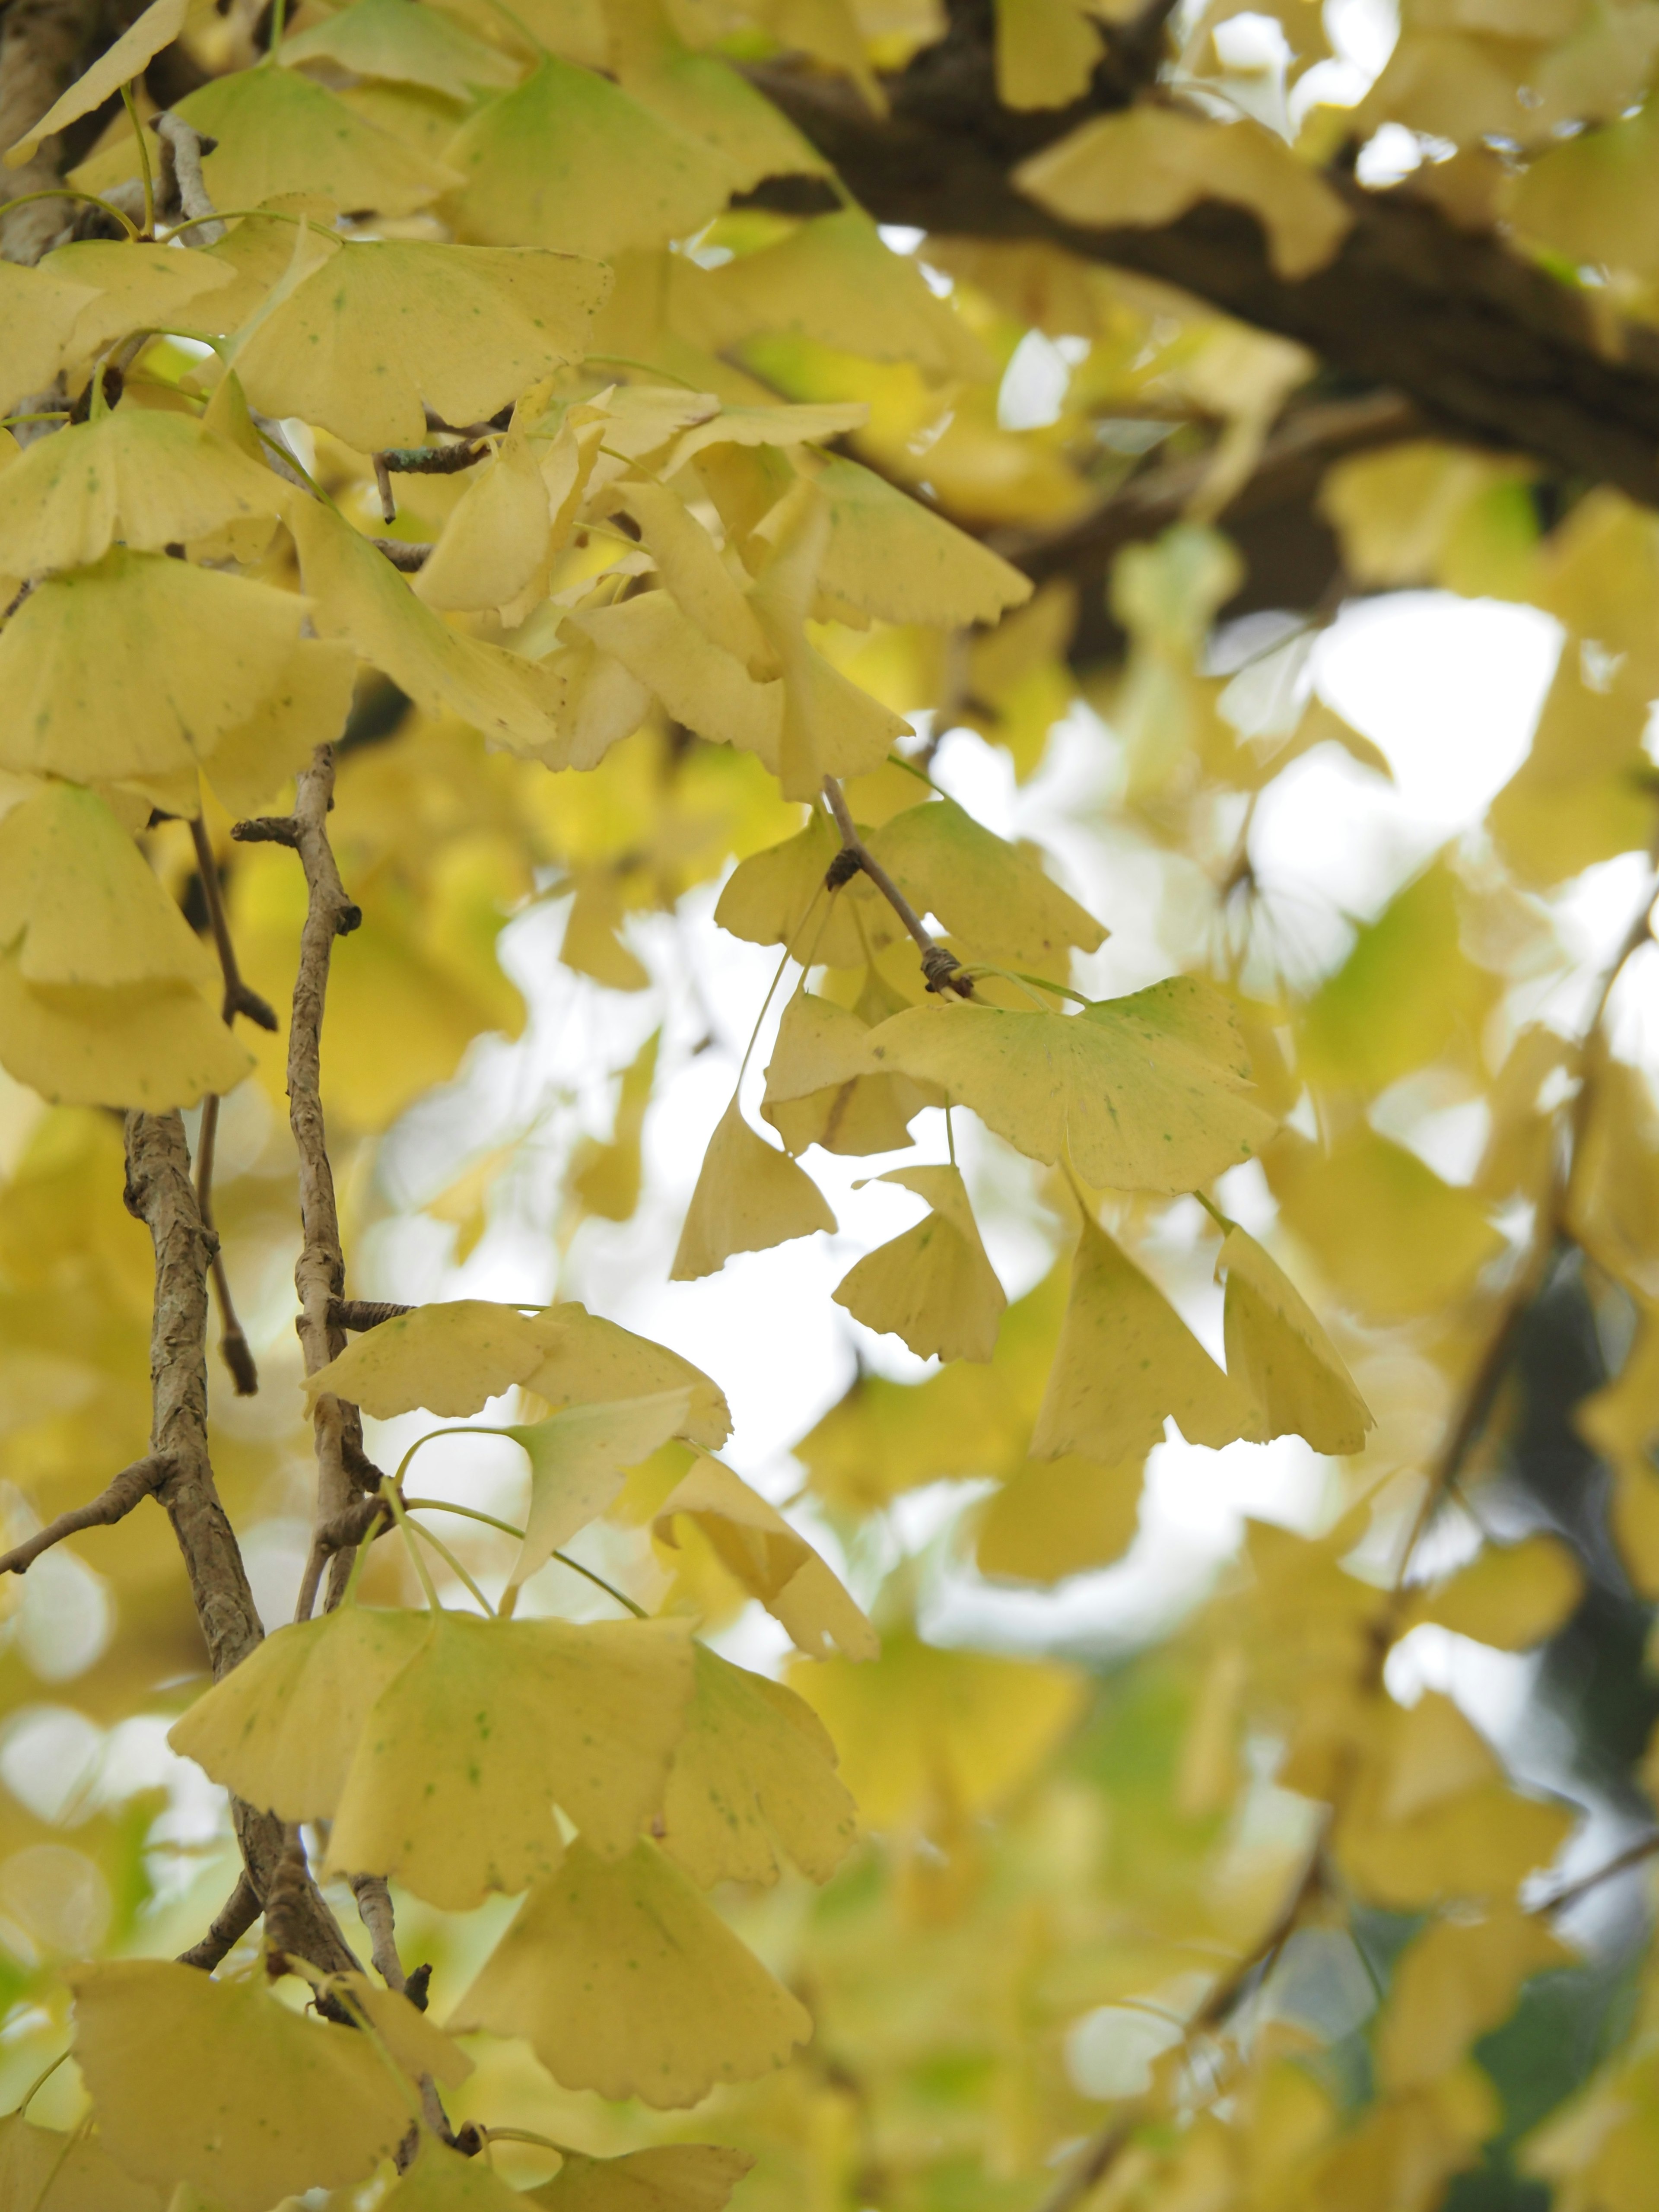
(161, 1193)
(1486, 344)
(113, 1503)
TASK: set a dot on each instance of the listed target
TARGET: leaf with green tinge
(625, 1981)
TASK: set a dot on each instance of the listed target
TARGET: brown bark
(1487, 345)
(161, 1193)
(43, 46)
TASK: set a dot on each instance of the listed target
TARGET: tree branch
(43, 47)
(1571, 1893)
(230, 1923)
(942, 969)
(1487, 344)
(126, 1490)
(159, 1194)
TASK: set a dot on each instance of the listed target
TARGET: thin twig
(365, 1313)
(375, 1907)
(113, 1503)
(1550, 1228)
(404, 553)
(942, 969)
(233, 1346)
(230, 1923)
(1562, 1900)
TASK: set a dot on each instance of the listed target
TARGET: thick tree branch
(1485, 343)
(124, 1491)
(161, 1193)
(44, 45)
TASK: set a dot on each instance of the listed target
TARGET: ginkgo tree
(466, 463)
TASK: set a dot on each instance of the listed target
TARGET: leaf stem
(454, 1567)
(389, 1491)
(88, 199)
(133, 117)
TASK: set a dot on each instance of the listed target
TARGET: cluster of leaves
(431, 412)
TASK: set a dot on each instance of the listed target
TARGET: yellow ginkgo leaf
(590, 944)
(305, 708)
(625, 1981)
(39, 311)
(138, 287)
(449, 1359)
(497, 535)
(606, 1178)
(749, 1198)
(1511, 1595)
(994, 897)
(930, 1737)
(1279, 1354)
(442, 2180)
(768, 426)
(819, 1093)
(278, 132)
(835, 281)
(577, 1461)
(1453, 1982)
(405, 44)
(218, 2084)
(149, 479)
(753, 1774)
(1047, 50)
(933, 1286)
(667, 2177)
(703, 96)
(498, 1721)
(57, 2173)
(569, 160)
(1150, 1092)
(418, 2045)
(87, 904)
(152, 1045)
(757, 1545)
(586, 1358)
(281, 1730)
(386, 324)
(897, 559)
(1150, 165)
(158, 26)
(1055, 1517)
(360, 596)
(94, 687)
(1126, 1363)
(701, 684)
(768, 896)
(693, 571)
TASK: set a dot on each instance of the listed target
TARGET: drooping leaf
(748, 1198)
(1509, 1596)
(52, 2171)
(1455, 1981)
(408, 44)
(932, 1285)
(497, 538)
(497, 1721)
(569, 160)
(151, 1046)
(753, 1775)
(38, 310)
(358, 595)
(281, 1730)
(94, 688)
(577, 1459)
(993, 896)
(1126, 1363)
(149, 478)
(667, 2177)
(1059, 1516)
(625, 1981)
(819, 1093)
(385, 326)
(894, 558)
(1150, 1092)
(1280, 1356)
(83, 901)
(217, 2084)
(157, 26)
(1151, 164)
(442, 2180)
(772, 1564)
